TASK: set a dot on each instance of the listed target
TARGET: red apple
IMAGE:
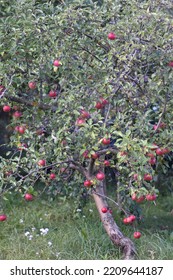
(100, 176)
(80, 122)
(170, 64)
(94, 156)
(99, 105)
(85, 154)
(52, 94)
(84, 114)
(104, 210)
(134, 196)
(32, 85)
(6, 108)
(88, 183)
(132, 218)
(125, 221)
(151, 197)
(106, 141)
(21, 129)
(42, 162)
(148, 177)
(137, 234)
(135, 176)
(107, 163)
(104, 101)
(111, 36)
(52, 176)
(151, 155)
(140, 199)
(165, 151)
(17, 114)
(152, 160)
(28, 197)
(159, 152)
(3, 217)
(57, 63)
(16, 128)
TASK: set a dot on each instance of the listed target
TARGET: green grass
(79, 238)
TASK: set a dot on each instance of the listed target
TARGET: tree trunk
(113, 231)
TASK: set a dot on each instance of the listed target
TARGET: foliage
(130, 76)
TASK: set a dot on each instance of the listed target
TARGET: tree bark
(113, 231)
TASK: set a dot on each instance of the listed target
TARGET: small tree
(88, 87)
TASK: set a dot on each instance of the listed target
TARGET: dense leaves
(119, 90)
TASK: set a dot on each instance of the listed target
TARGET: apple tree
(88, 89)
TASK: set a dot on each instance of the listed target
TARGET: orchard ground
(43, 229)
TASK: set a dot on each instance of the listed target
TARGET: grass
(68, 238)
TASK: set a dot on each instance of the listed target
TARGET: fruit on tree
(104, 209)
(100, 176)
(6, 108)
(28, 197)
(151, 197)
(52, 93)
(99, 105)
(107, 163)
(132, 218)
(129, 220)
(111, 36)
(137, 234)
(136, 198)
(94, 155)
(42, 162)
(140, 199)
(32, 85)
(80, 122)
(57, 63)
(3, 217)
(21, 129)
(135, 176)
(165, 151)
(52, 176)
(159, 152)
(152, 160)
(104, 101)
(106, 141)
(170, 64)
(148, 177)
(151, 155)
(85, 154)
(17, 114)
(84, 114)
(88, 183)
(16, 128)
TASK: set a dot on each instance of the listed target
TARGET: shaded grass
(82, 237)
